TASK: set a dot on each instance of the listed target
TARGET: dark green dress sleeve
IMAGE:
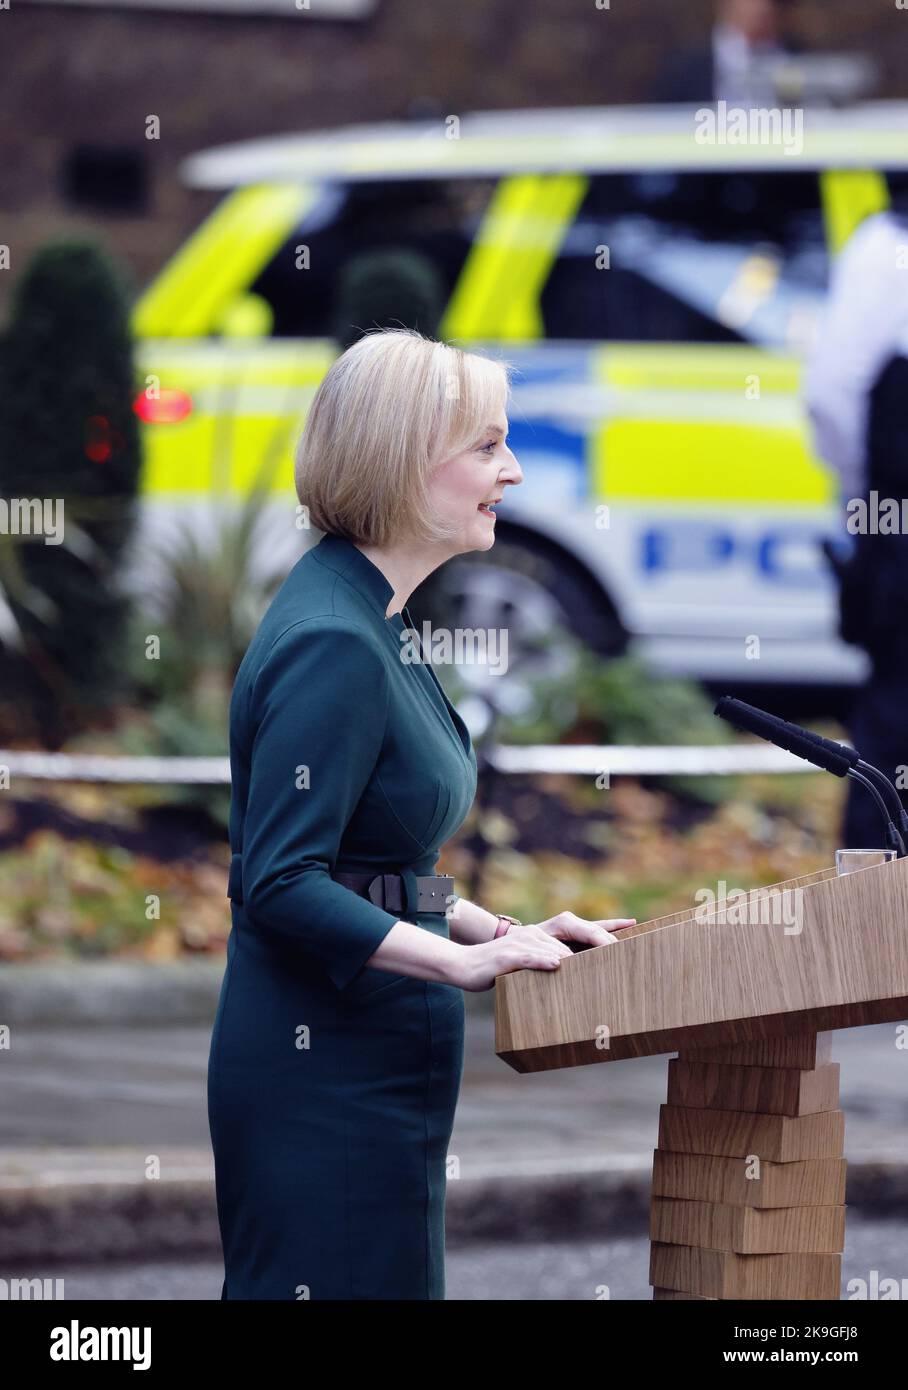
(319, 702)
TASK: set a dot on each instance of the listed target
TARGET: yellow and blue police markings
(667, 422)
(700, 453)
(547, 424)
(708, 447)
(663, 434)
(196, 292)
(246, 404)
(701, 422)
(498, 292)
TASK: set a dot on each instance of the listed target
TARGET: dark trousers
(879, 730)
(874, 612)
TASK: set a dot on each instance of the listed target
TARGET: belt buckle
(434, 898)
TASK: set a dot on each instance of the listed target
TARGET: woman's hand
(477, 966)
(568, 927)
(535, 946)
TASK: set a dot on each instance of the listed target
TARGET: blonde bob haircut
(388, 411)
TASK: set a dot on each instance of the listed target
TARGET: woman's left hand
(566, 926)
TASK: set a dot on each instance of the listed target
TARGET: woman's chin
(476, 535)
(482, 535)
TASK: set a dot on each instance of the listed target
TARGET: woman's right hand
(529, 949)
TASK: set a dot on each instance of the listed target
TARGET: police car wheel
(528, 592)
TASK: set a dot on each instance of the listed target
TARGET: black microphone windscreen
(783, 735)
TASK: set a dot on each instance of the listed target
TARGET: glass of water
(848, 860)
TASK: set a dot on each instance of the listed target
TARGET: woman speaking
(337, 1047)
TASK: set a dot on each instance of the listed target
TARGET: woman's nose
(513, 473)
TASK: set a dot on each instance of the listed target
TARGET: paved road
(574, 1271)
(73, 1088)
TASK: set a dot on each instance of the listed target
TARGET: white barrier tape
(651, 761)
(89, 767)
(580, 759)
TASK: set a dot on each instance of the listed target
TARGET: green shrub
(209, 604)
(387, 289)
(618, 701)
(68, 431)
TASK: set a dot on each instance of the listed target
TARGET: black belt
(385, 890)
(390, 892)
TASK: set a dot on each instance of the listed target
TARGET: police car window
(379, 253)
(700, 257)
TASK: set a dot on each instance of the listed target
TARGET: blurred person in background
(856, 392)
(736, 66)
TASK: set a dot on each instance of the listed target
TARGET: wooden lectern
(749, 1175)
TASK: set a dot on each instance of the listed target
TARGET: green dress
(332, 1085)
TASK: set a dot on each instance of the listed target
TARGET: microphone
(889, 791)
(824, 753)
(783, 735)
(897, 811)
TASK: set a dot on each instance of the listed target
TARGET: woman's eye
(489, 446)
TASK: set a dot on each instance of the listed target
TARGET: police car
(655, 292)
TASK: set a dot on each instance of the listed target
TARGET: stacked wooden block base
(748, 1197)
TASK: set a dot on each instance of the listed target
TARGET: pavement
(498, 1271)
(105, 1154)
